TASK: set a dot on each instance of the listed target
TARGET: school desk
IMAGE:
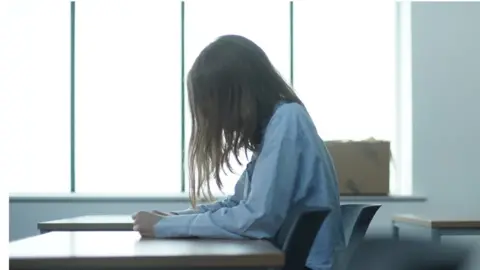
(436, 227)
(89, 223)
(95, 250)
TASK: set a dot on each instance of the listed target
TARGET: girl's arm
(230, 201)
(272, 188)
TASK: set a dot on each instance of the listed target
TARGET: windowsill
(181, 197)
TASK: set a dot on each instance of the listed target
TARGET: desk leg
(395, 231)
(435, 235)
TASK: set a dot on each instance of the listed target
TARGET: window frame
(403, 114)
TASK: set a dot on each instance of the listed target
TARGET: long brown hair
(233, 89)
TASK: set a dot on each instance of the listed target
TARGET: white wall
(446, 128)
(446, 111)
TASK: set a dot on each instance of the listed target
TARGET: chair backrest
(297, 234)
(356, 219)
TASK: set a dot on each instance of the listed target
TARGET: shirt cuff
(174, 226)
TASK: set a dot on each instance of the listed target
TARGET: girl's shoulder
(290, 118)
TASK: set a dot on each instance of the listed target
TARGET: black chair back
(297, 234)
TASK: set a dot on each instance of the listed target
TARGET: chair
(297, 234)
(356, 220)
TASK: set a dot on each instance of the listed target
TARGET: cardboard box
(363, 167)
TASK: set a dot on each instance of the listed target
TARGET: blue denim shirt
(293, 167)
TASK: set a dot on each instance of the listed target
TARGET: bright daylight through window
(127, 121)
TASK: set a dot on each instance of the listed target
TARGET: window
(344, 67)
(35, 117)
(128, 94)
(207, 20)
(345, 74)
(117, 125)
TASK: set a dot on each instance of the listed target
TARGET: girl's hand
(143, 222)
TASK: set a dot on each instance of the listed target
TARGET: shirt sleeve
(262, 213)
(230, 201)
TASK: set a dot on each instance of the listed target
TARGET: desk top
(459, 222)
(58, 250)
(89, 223)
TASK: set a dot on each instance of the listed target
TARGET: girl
(239, 102)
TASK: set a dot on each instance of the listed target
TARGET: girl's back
(315, 182)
